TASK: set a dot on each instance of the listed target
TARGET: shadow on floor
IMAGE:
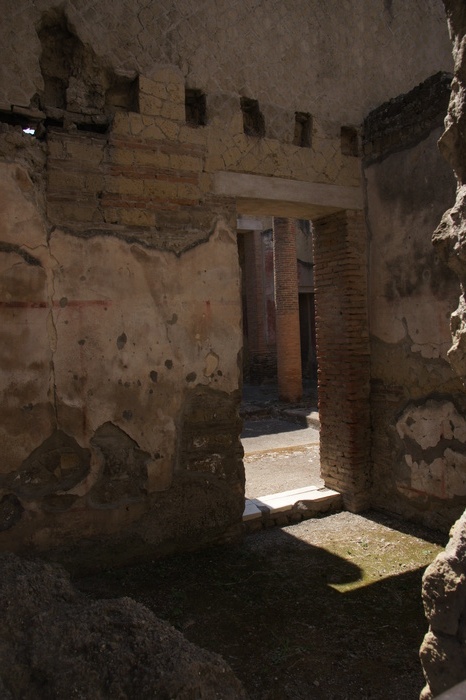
(264, 399)
(269, 426)
(317, 610)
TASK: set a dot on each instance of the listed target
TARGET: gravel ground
(327, 609)
(279, 456)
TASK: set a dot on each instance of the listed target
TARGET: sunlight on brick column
(290, 383)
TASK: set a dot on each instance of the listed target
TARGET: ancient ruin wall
(444, 597)
(444, 588)
(329, 59)
(417, 404)
(120, 295)
(334, 61)
(121, 335)
(449, 236)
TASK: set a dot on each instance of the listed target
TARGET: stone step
(302, 416)
(290, 506)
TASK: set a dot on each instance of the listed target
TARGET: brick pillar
(340, 268)
(290, 383)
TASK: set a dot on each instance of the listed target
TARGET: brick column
(340, 268)
(290, 383)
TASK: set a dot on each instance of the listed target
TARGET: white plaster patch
(455, 473)
(430, 426)
(429, 478)
(432, 422)
(445, 477)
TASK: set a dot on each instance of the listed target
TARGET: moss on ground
(327, 609)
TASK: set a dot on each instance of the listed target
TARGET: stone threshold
(289, 507)
(302, 416)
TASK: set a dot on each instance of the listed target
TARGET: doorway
(280, 440)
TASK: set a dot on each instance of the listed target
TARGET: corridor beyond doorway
(280, 441)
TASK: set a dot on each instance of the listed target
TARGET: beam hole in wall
(122, 93)
(29, 126)
(302, 130)
(349, 139)
(93, 128)
(195, 107)
(59, 47)
(253, 119)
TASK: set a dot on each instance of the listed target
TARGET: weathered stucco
(104, 358)
(120, 288)
(417, 406)
(215, 44)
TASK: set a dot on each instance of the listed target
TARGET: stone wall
(417, 405)
(305, 60)
(121, 336)
(448, 238)
(444, 585)
(444, 598)
(121, 310)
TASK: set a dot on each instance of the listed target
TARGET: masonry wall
(417, 404)
(121, 314)
(121, 339)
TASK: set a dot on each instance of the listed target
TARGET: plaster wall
(334, 59)
(120, 346)
(417, 403)
(120, 315)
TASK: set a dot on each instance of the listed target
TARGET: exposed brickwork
(151, 187)
(122, 325)
(343, 354)
(287, 310)
(407, 119)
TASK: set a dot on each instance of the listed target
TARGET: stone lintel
(258, 195)
(249, 223)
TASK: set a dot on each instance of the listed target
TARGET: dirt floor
(328, 608)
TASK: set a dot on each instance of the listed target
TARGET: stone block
(89, 151)
(137, 217)
(251, 511)
(124, 185)
(151, 157)
(160, 188)
(168, 128)
(173, 110)
(121, 124)
(186, 163)
(65, 180)
(444, 594)
(148, 104)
